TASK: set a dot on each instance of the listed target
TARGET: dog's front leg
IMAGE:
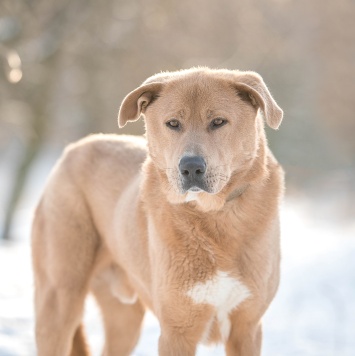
(184, 321)
(245, 337)
(171, 343)
(183, 325)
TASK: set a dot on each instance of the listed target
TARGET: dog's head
(203, 126)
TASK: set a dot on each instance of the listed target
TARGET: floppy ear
(135, 103)
(253, 84)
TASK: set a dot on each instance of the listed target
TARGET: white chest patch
(224, 293)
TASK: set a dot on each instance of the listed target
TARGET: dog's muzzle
(192, 171)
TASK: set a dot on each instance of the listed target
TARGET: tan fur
(113, 219)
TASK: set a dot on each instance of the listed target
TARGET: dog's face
(199, 132)
(202, 126)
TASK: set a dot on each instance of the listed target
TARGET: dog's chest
(222, 292)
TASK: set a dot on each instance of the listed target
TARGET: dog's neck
(237, 193)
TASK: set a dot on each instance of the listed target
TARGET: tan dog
(188, 228)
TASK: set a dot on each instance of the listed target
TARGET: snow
(313, 313)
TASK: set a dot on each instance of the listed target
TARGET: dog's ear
(135, 103)
(253, 85)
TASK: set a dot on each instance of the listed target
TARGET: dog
(184, 222)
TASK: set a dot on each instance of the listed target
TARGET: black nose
(192, 167)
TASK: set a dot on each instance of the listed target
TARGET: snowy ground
(312, 315)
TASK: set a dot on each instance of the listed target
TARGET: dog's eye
(218, 122)
(173, 124)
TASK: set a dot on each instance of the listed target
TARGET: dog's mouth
(194, 177)
(211, 184)
(195, 189)
(181, 190)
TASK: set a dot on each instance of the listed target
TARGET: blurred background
(66, 65)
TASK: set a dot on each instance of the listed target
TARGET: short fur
(114, 220)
